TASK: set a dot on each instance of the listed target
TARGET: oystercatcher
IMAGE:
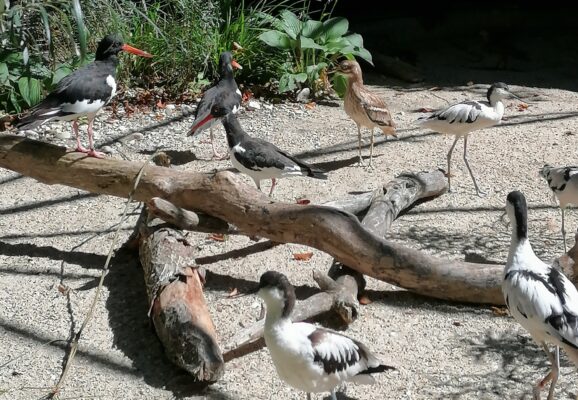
(462, 118)
(310, 358)
(540, 297)
(83, 93)
(258, 158)
(363, 106)
(225, 93)
(563, 181)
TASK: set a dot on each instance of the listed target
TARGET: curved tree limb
(224, 196)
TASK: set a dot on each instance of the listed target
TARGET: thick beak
(136, 51)
(235, 64)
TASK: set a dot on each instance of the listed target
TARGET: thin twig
(74, 346)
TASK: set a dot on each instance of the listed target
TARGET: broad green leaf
(287, 83)
(301, 77)
(307, 43)
(276, 39)
(355, 39)
(335, 27)
(337, 45)
(34, 91)
(363, 53)
(15, 103)
(3, 72)
(2, 7)
(339, 84)
(24, 89)
(312, 29)
(60, 73)
(291, 24)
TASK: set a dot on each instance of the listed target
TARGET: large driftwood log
(223, 195)
(178, 308)
(340, 288)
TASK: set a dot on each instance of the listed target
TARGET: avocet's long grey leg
(478, 191)
(449, 158)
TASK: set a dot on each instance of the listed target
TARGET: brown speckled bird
(363, 106)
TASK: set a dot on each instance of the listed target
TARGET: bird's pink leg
(273, 183)
(79, 147)
(92, 152)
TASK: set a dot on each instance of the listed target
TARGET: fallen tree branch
(187, 220)
(223, 195)
(341, 286)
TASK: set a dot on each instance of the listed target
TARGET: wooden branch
(187, 220)
(223, 195)
(178, 309)
(340, 288)
(335, 296)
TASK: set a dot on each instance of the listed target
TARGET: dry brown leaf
(306, 256)
(303, 201)
(500, 311)
(364, 300)
(63, 289)
(233, 292)
(310, 105)
(160, 104)
(523, 107)
(217, 237)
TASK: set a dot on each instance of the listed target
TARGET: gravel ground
(54, 235)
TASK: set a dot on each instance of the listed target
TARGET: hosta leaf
(339, 84)
(276, 39)
(307, 43)
(3, 72)
(287, 83)
(335, 27)
(363, 53)
(14, 102)
(24, 89)
(337, 45)
(312, 29)
(60, 73)
(34, 92)
(291, 24)
(355, 39)
(301, 77)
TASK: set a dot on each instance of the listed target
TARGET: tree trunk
(224, 196)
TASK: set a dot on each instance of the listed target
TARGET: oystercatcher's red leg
(92, 152)
(216, 155)
(79, 147)
(273, 183)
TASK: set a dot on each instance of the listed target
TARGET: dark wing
(262, 154)
(87, 83)
(224, 93)
(548, 298)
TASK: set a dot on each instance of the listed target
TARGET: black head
(112, 44)
(277, 291)
(227, 63)
(498, 91)
(517, 211)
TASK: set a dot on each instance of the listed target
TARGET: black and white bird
(225, 94)
(462, 118)
(563, 181)
(83, 93)
(310, 358)
(258, 158)
(540, 297)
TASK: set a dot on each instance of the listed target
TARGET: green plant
(26, 34)
(313, 45)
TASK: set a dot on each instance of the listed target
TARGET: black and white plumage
(563, 181)
(225, 94)
(307, 357)
(82, 93)
(462, 118)
(260, 159)
(540, 297)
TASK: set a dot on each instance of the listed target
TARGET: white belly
(457, 128)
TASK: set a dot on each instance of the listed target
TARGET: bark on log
(178, 309)
(341, 287)
(225, 196)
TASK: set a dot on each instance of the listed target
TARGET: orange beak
(136, 51)
(235, 64)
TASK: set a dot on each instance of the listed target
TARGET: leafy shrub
(313, 46)
(26, 34)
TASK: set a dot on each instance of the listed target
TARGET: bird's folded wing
(374, 107)
(546, 298)
(466, 112)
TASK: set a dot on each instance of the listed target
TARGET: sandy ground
(53, 235)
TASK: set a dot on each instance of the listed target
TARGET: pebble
(303, 95)
(107, 150)
(253, 105)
